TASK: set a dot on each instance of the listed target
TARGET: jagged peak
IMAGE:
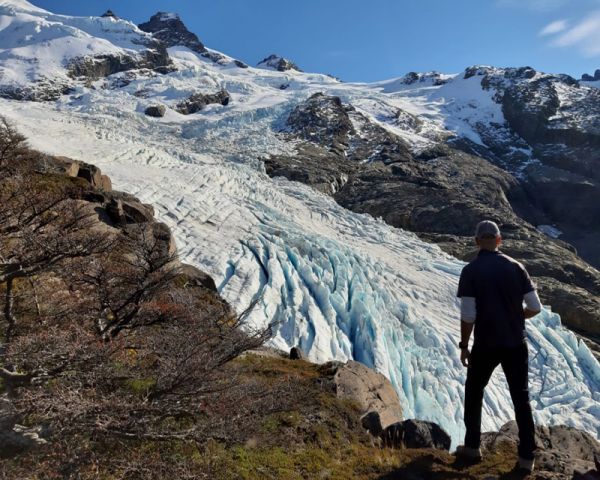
(167, 16)
(169, 28)
(278, 63)
(109, 14)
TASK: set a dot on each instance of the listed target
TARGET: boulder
(18, 440)
(416, 434)
(197, 277)
(371, 421)
(561, 449)
(157, 111)
(197, 101)
(124, 206)
(297, 354)
(68, 166)
(370, 389)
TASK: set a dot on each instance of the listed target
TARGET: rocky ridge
(278, 63)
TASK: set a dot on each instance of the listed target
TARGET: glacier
(341, 285)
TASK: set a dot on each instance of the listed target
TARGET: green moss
(139, 386)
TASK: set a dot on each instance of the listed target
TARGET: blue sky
(370, 40)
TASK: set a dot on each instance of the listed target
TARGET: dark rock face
(591, 78)
(278, 63)
(198, 100)
(416, 434)
(434, 78)
(43, 90)
(324, 120)
(240, 64)
(155, 58)
(156, 111)
(562, 449)
(110, 14)
(550, 118)
(169, 28)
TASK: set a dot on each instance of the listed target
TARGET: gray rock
(198, 277)
(371, 421)
(371, 390)
(562, 449)
(199, 100)
(109, 14)
(297, 354)
(18, 440)
(154, 58)
(416, 434)
(157, 111)
(128, 207)
(587, 78)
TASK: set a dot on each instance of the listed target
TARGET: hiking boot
(526, 465)
(468, 453)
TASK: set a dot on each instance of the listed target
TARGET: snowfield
(343, 286)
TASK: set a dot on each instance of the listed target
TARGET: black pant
(515, 363)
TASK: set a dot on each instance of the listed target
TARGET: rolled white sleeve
(467, 309)
(532, 301)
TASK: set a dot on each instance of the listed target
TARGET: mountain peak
(169, 28)
(278, 63)
(109, 13)
(591, 78)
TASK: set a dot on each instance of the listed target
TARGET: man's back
(498, 284)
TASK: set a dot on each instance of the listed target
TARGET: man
(492, 289)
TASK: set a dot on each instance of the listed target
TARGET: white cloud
(538, 5)
(585, 36)
(554, 27)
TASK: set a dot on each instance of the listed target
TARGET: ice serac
(340, 285)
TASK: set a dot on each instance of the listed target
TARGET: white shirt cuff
(467, 309)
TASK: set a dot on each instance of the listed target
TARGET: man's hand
(465, 358)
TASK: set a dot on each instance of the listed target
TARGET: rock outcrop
(561, 449)
(169, 28)
(157, 111)
(90, 173)
(155, 59)
(278, 63)
(197, 101)
(586, 77)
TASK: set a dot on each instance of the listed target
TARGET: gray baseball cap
(487, 227)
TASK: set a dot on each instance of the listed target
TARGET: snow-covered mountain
(344, 284)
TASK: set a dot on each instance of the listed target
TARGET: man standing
(492, 289)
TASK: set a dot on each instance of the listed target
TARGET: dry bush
(102, 342)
